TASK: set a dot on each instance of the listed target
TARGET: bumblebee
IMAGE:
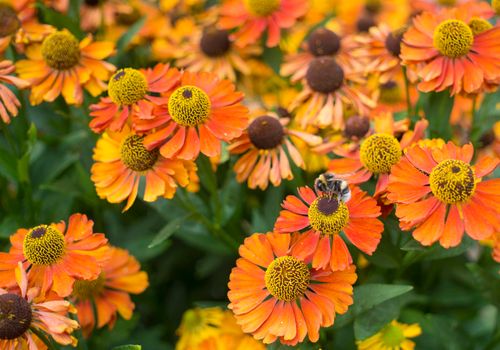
(332, 185)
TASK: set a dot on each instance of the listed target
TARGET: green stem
(44, 339)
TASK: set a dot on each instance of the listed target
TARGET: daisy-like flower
(202, 111)
(9, 104)
(276, 294)
(380, 50)
(212, 50)
(377, 152)
(322, 218)
(329, 88)
(253, 17)
(262, 147)
(450, 53)
(121, 160)
(321, 42)
(109, 293)
(213, 328)
(55, 256)
(25, 312)
(441, 195)
(394, 336)
(63, 66)
(132, 92)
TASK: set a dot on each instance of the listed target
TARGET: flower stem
(44, 339)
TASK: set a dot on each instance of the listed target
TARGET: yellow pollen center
(452, 181)
(127, 86)
(189, 106)
(9, 23)
(44, 245)
(135, 156)
(262, 8)
(380, 152)
(453, 38)
(61, 50)
(328, 215)
(85, 290)
(287, 278)
(392, 336)
(479, 25)
(447, 2)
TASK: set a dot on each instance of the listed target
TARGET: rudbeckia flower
(322, 218)
(202, 111)
(212, 50)
(9, 104)
(26, 312)
(253, 17)
(55, 256)
(450, 52)
(275, 294)
(377, 152)
(321, 42)
(122, 160)
(440, 194)
(394, 336)
(109, 293)
(329, 88)
(213, 328)
(62, 65)
(131, 92)
(263, 146)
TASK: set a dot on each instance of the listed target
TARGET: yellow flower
(393, 336)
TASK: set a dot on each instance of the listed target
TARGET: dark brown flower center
(365, 22)
(92, 2)
(15, 316)
(373, 6)
(356, 126)
(323, 42)
(393, 43)
(266, 132)
(9, 23)
(215, 43)
(283, 112)
(324, 75)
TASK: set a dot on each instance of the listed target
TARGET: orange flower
(8, 101)
(452, 51)
(29, 313)
(322, 42)
(365, 161)
(132, 92)
(253, 17)
(62, 65)
(121, 162)
(324, 218)
(440, 194)
(201, 112)
(263, 148)
(109, 292)
(55, 257)
(275, 294)
(328, 89)
(212, 50)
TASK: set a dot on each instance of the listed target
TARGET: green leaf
(59, 20)
(368, 296)
(375, 319)
(485, 117)
(23, 162)
(125, 39)
(168, 230)
(8, 165)
(128, 347)
(437, 107)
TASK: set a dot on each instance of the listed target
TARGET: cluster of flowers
(340, 102)
(52, 271)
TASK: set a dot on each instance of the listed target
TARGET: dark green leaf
(370, 295)
(128, 347)
(168, 230)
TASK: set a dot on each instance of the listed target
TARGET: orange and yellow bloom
(275, 294)
(62, 65)
(109, 292)
(440, 194)
(323, 218)
(393, 336)
(9, 104)
(55, 255)
(121, 160)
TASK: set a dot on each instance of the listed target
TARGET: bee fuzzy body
(333, 186)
